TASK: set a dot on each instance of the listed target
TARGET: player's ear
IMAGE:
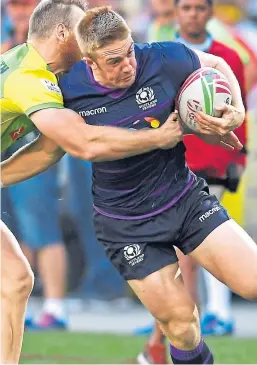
(62, 33)
(89, 61)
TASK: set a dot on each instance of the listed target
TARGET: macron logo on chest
(87, 113)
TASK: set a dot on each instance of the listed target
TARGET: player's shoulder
(156, 48)
(30, 80)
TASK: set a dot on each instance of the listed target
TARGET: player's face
(193, 16)
(115, 64)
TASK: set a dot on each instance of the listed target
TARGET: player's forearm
(109, 143)
(30, 160)
(95, 143)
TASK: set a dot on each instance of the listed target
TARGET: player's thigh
(14, 265)
(230, 254)
(163, 293)
(189, 272)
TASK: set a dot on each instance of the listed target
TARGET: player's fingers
(208, 119)
(232, 139)
(222, 108)
(173, 116)
(205, 130)
(215, 128)
(226, 146)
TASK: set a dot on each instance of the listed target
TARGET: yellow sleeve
(33, 90)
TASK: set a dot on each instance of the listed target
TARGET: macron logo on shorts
(209, 213)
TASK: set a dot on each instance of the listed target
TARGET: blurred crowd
(51, 214)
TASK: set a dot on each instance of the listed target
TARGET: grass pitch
(87, 348)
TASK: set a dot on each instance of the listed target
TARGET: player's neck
(199, 39)
(99, 80)
(49, 54)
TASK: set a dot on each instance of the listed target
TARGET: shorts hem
(201, 237)
(150, 270)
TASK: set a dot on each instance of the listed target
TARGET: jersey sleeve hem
(36, 108)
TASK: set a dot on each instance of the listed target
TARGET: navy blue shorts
(138, 248)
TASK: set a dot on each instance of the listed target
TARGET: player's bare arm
(30, 160)
(42, 153)
(96, 143)
(232, 116)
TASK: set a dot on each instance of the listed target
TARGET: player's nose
(127, 68)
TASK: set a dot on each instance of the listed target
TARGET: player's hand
(230, 141)
(231, 118)
(170, 133)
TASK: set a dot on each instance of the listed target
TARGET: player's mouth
(128, 77)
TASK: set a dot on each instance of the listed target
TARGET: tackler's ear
(62, 33)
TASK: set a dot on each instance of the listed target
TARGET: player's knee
(175, 313)
(179, 323)
(18, 286)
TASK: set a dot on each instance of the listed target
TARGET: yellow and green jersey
(27, 86)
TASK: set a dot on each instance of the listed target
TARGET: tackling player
(31, 97)
(146, 204)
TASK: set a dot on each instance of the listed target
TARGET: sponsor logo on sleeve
(51, 86)
(17, 133)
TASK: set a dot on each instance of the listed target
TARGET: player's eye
(115, 62)
(131, 52)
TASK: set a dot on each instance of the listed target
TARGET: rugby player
(145, 205)
(31, 97)
(213, 163)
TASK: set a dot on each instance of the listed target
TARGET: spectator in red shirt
(221, 168)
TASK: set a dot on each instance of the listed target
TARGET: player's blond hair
(99, 27)
(49, 13)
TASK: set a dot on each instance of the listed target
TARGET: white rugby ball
(203, 90)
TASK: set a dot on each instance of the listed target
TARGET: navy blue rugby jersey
(141, 186)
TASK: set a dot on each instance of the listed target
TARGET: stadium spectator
(212, 163)
(223, 28)
(16, 14)
(162, 26)
(247, 27)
